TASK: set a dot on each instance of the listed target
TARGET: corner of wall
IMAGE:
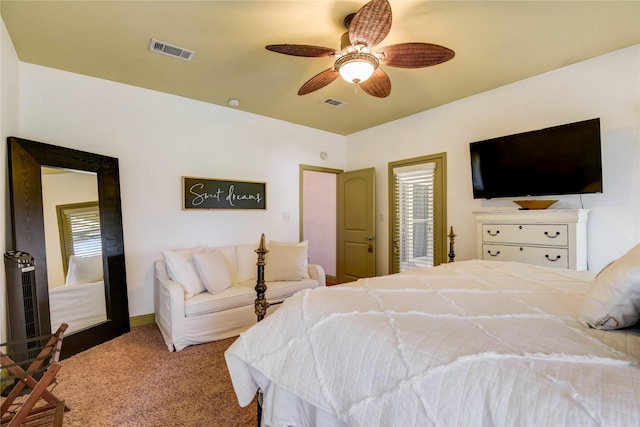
(9, 122)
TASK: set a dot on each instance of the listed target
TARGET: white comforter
(80, 306)
(465, 344)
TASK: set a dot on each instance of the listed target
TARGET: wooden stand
(45, 364)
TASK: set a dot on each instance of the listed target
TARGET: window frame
(64, 212)
(440, 248)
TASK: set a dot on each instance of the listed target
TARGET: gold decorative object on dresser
(550, 237)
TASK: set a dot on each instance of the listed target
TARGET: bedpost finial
(452, 240)
(262, 247)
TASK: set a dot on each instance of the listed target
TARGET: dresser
(549, 237)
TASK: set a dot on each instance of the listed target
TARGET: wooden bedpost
(452, 240)
(261, 303)
(260, 306)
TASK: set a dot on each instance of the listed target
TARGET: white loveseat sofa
(207, 294)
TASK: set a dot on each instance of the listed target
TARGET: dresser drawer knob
(546, 233)
(493, 234)
(553, 260)
(496, 254)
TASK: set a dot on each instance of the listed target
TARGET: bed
(80, 302)
(80, 306)
(463, 344)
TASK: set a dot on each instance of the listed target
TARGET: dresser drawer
(531, 234)
(550, 257)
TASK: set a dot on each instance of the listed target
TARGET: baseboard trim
(144, 319)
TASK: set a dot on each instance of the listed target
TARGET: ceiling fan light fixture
(356, 67)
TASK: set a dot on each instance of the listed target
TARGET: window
(79, 226)
(414, 190)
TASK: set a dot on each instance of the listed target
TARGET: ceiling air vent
(171, 50)
(334, 102)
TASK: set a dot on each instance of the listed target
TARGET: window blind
(414, 197)
(80, 230)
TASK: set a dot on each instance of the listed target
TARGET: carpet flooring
(134, 380)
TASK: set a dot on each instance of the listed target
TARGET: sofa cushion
(285, 262)
(242, 294)
(213, 270)
(304, 244)
(181, 268)
(247, 259)
(277, 291)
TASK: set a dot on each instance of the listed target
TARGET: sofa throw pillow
(247, 259)
(214, 271)
(613, 301)
(305, 245)
(84, 269)
(230, 255)
(180, 267)
(284, 262)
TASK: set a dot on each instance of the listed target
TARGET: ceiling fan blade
(415, 55)
(378, 85)
(301, 50)
(371, 23)
(319, 81)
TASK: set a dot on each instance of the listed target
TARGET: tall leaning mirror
(66, 213)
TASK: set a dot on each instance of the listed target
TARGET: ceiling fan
(357, 61)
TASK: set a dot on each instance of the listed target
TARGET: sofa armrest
(316, 272)
(169, 305)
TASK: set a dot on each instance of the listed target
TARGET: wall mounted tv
(563, 159)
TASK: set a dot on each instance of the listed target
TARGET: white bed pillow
(285, 262)
(614, 299)
(84, 269)
(180, 267)
(213, 269)
(305, 245)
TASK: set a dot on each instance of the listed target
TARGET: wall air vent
(171, 50)
(334, 102)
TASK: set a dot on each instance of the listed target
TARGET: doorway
(318, 216)
(337, 217)
(417, 212)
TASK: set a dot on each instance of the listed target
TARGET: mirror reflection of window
(79, 228)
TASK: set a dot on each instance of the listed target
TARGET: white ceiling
(496, 43)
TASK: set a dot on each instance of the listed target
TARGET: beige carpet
(134, 380)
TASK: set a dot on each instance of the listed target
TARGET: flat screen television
(563, 159)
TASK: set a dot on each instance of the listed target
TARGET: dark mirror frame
(25, 189)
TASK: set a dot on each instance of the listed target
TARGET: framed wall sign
(207, 193)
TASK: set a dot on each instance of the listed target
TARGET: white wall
(607, 87)
(159, 138)
(9, 79)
